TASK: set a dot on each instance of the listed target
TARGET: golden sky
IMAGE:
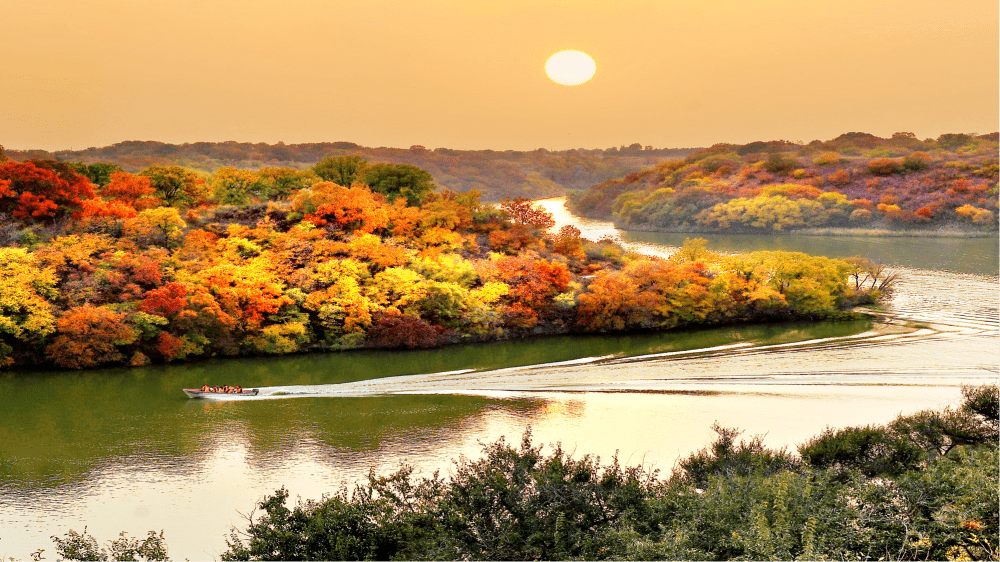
(470, 73)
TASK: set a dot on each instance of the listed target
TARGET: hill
(496, 174)
(856, 180)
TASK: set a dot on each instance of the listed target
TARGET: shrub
(871, 450)
(392, 329)
(724, 458)
(777, 163)
(840, 177)
(82, 546)
(916, 161)
(885, 166)
(860, 215)
(827, 158)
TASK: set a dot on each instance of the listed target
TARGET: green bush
(871, 450)
(725, 458)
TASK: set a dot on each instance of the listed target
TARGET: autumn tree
(25, 313)
(88, 335)
(232, 186)
(391, 328)
(534, 285)
(524, 212)
(353, 208)
(39, 189)
(137, 191)
(194, 320)
(162, 226)
(247, 292)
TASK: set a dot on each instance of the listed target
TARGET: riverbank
(942, 232)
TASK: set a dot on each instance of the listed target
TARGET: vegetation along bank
(856, 181)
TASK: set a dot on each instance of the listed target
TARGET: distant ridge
(497, 174)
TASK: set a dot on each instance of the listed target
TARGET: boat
(199, 393)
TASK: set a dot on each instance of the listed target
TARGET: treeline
(496, 174)
(150, 267)
(922, 487)
(856, 180)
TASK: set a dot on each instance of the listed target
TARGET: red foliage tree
(40, 189)
(522, 211)
(135, 191)
(392, 329)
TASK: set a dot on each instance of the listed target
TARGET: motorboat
(199, 393)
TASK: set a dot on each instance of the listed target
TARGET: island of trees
(106, 267)
(855, 181)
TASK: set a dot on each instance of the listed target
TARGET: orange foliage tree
(88, 335)
(133, 190)
(353, 209)
(534, 284)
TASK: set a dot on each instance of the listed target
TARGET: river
(123, 449)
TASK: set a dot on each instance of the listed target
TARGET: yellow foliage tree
(25, 313)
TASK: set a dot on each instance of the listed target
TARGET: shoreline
(832, 231)
(947, 231)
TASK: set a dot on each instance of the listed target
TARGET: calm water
(125, 450)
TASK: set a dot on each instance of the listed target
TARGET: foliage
(87, 336)
(950, 181)
(25, 312)
(398, 180)
(176, 186)
(39, 189)
(341, 170)
(83, 546)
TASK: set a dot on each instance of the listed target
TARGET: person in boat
(204, 388)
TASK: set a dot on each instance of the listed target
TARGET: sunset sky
(470, 73)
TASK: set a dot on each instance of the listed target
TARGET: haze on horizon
(470, 74)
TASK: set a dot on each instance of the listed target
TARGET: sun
(570, 68)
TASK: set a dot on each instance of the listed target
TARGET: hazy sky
(470, 73)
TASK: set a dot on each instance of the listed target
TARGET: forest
(921, 487)
(855, 181)
(107, 267)
(495, 174)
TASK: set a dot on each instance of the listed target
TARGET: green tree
(398, 180)
(176, 186)
(98, 173)
(233, 186)
(341, 170)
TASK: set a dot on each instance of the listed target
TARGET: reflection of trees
(48, 444)
(59, 427)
